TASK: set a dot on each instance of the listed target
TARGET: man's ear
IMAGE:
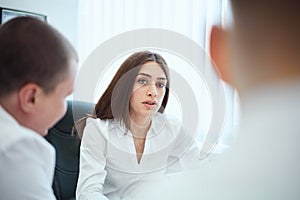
(27, 97)
(219, 52)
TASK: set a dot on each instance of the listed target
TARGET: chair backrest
(67, 146)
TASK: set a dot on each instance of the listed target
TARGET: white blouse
(108, 161)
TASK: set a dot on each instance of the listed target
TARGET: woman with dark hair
(129, 139)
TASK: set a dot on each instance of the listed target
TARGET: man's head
(37, 72)
(32, 51)
(262, 46)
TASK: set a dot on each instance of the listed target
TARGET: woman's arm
(92, 163)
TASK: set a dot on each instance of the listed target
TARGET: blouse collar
(158, 122)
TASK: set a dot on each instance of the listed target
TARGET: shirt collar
(157, 124)
(6, 117)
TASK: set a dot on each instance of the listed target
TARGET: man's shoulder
(16, 137)
(23, 154)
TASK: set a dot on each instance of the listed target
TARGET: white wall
(62, 14)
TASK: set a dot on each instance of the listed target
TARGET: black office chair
(67, 146)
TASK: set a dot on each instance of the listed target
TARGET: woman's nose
(152, 91)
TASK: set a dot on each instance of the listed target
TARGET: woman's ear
(219, 52)
(27, 97)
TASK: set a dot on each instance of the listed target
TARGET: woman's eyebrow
(148, 75)
(143, 74)
(161, 78)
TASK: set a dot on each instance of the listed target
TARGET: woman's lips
(150, 104)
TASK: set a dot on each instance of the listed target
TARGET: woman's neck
(140, 126)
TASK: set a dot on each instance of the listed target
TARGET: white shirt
(26, 162)
(264, 164)
(108, 162)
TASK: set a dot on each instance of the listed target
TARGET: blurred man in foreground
(259, 57)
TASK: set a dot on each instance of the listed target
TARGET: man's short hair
(31, 51)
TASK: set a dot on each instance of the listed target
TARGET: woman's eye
(142, 81)
(161, 85)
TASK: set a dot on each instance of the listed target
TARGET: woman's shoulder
(100, 122)
(167, 118)
(167, 121)
(102, 126)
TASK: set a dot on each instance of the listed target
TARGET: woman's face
(148, 91)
